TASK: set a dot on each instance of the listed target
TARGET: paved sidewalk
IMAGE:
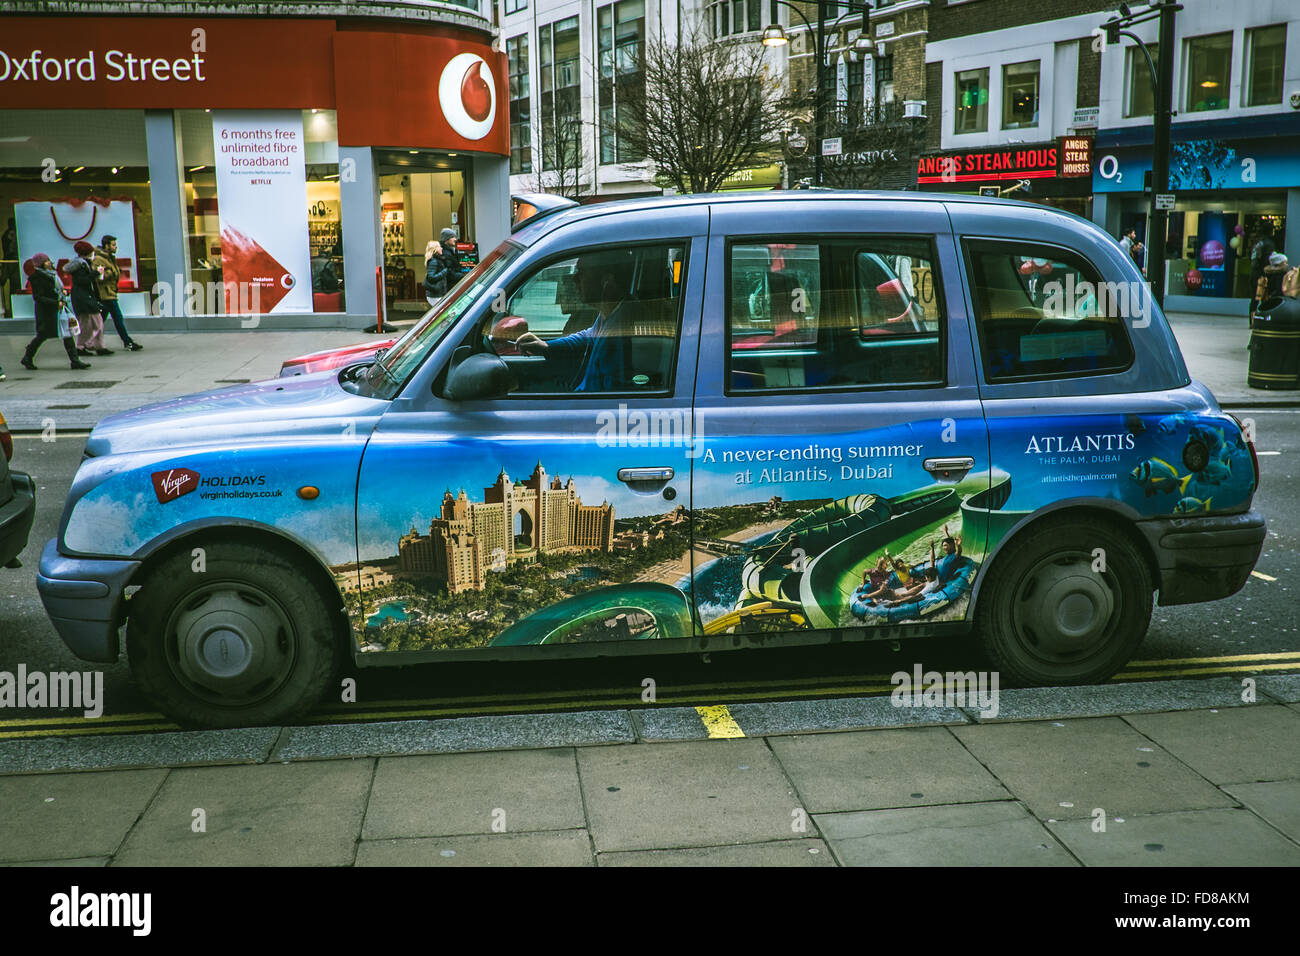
(1179, 773)
(1214, 347)
(171, 364)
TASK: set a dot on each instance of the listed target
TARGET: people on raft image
(907, 584)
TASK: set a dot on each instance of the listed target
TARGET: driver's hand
(530, 342)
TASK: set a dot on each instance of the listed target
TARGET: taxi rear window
(1044, 312)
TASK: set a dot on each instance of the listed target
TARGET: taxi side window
(604, 321)
(1044, 312)
(834, 314)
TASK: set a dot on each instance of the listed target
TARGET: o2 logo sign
(468, 95)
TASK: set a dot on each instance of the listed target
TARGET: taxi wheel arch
(254, 639)
(1045, 615)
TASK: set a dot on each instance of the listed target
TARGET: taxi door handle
(645, 474)
(946, 466)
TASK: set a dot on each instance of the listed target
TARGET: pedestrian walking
(108, 273)
(1129, 242)
(450, 257)
(9, 267)
(85, 301)
(435, 272)
(50, 300)
(1259, 256)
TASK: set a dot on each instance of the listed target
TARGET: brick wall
(934, 104)
(1088, 90)
(983, 16)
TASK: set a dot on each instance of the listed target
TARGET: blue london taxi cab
(692, 423)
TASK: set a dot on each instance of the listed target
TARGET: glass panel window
(521, 151)
(1209, 65)
(620, 29)
(1020, 95)
(211, 255)
(737, 16)
(1141, 90)
(561, 115)
(1265, 53)
(604, 321)
(971, 112)
(514, 6)
(68, 176)
(1044, 312)
(846, 313)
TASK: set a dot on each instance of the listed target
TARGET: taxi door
(842, 477)
(556, 514)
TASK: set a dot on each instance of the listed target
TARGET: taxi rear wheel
(242, 637)
(1066, 604)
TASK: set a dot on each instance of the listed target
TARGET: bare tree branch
(707, 109)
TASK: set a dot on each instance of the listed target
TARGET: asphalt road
(1192, 640)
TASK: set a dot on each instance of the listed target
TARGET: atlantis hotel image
(516, 521)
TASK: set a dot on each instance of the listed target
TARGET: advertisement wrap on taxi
(596, 444)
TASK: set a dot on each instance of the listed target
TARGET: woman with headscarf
(49, 299)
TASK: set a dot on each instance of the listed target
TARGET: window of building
(1020, 95)
(605, 321)
(1209, 65)
(1042, 311)
(620, 37)
(558, 56)
(846, 313)
(69, 175)
(1141, 91)
(1265, 53)
(514, 6)
(521, 128)
(736, 16)
(971, 112)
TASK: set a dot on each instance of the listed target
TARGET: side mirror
(479, 376)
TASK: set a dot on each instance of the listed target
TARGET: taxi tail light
(6, 440)
(1250, 443)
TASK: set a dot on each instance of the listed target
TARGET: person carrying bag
(53, 310)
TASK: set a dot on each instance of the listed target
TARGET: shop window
(971, 113)
(1141, 91)
(1209, 66)
(69, 175)
(620, 37)
(1020, 95)
(1265, 55)
(263, 212)
(521, 130)
(1042, 311)
(847, 313)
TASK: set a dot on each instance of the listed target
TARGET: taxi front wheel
(240, 638)
(1067, 603)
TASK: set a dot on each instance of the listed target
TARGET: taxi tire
(1054, 564)
(297, 602)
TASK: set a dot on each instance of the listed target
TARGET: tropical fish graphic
(1157, 475)
(1192, 504)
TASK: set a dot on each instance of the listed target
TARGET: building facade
(1235, 155)
(255, 161)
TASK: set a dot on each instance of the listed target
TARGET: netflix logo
(173, 483)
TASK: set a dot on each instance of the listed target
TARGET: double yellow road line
(715, 716)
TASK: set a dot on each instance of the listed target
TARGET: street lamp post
(774, 35)
(1162, 82)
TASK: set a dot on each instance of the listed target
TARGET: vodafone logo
(468, 95)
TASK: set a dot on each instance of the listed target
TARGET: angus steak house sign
(1012, 162)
